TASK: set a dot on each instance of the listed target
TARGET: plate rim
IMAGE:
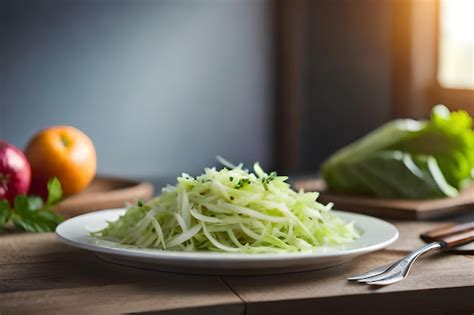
(164, 255)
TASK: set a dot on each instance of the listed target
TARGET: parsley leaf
(55, 191)
(35, 203)
(4, 213)
(36, 220)
(32, 215)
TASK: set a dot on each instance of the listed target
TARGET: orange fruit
(63, 152)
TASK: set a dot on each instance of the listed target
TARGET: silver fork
(444, 238)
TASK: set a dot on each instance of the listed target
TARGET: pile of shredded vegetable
(231, 210)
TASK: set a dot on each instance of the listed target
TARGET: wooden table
(40, 275)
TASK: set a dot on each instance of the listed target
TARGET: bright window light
(456, 45)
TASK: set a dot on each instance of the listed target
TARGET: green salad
(407, 158)
(231, 210)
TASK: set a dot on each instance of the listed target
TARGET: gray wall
(161, 87)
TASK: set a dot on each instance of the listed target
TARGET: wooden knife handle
(452, 235)
(458, 239)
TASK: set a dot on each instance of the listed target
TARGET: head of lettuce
(407, 158)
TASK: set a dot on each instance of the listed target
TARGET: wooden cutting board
(105, 193)
(391, 208)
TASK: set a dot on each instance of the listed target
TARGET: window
(456, 44)
(433, 56)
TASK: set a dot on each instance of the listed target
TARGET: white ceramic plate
(375, 234)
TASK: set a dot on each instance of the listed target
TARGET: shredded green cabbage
(231, 210)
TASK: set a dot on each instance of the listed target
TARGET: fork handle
(451, 235)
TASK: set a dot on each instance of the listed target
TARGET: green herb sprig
(30, 213)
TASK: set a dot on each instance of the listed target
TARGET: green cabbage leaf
(407, 159)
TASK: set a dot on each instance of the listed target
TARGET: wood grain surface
(40, 275)
(105, 193)
(400, 209)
